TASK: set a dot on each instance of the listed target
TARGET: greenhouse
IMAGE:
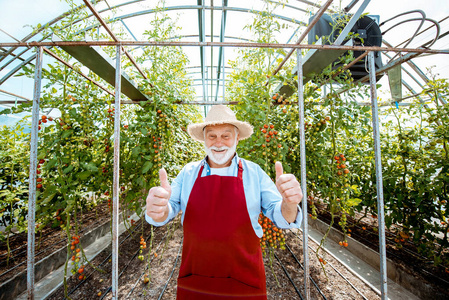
(332, 117)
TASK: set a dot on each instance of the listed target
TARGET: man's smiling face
(220, 143)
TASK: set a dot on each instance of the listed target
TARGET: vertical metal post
(115, 183)
(302, 150)
(202, 28)
(379, 181)
(223, 16)
(223, 73)
(212, 50)
(33, 169)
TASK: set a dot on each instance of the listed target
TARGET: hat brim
(196, 130)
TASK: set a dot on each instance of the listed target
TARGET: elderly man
(220, 198)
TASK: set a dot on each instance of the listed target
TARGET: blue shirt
(260, 191)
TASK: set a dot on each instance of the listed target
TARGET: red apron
(221, 255)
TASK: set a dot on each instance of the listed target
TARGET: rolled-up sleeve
(280, 221)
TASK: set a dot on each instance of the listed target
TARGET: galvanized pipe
(212, 49)
(379, 182)
(115, 183)
(33, 170)
(384, 69)
(39, 30)
(222, 44)
(302, 152)
(222, 35)
(15, 95)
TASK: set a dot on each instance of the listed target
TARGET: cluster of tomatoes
(272, 236)
(269, 133)
(270, 145)
(157, 146)
(342, 222)
(44, 119)
(110, 113)
(39, 179)
(318, 126)
(109, 199)
(106, 145)
(143, 245)
(80, 272)
(401, 238)
(322, 261)
(76, 253)
(104, 170)
(279, 99)
(341, 165)
(343, 243)
(58, 217)
(162, 118)
(146, 279)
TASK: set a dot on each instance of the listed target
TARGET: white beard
(222, 157)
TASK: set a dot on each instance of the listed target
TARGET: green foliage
(77, 147)
(14, 159)
(416, 168)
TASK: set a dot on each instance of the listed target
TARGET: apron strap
(239, 175)
(240, 170)
(200, 172)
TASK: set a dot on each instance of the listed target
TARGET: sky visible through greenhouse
(15, 16)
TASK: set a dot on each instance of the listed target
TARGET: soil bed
(403, 252)
(164, 268)
(48, 240)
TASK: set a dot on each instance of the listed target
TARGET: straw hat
(219, 114)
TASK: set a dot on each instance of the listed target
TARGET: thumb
(163, 179)
(279, 169)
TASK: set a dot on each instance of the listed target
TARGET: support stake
(115, 183)
(33, 169)
(379, 182)
(302, 150)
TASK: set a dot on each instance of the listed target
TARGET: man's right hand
(157, 200)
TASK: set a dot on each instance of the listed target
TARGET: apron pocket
(202, 287)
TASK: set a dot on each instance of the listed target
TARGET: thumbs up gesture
(157, 200)
(291, 192)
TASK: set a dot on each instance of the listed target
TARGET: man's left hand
(290, 190)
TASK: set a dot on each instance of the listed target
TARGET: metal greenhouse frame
(405, 56)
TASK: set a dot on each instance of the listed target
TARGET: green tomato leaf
(146, 166)
(353, 201)
(84, 175)
(67, 133)
(51, 163)
(68, 169)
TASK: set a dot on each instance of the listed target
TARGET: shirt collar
(233, 166)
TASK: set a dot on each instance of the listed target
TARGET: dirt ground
(47, 241)
(404, 253)
(164, 261)
(162, 265)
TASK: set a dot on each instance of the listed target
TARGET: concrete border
(15, 286)
(395, 272)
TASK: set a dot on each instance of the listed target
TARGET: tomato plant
(76, 140)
